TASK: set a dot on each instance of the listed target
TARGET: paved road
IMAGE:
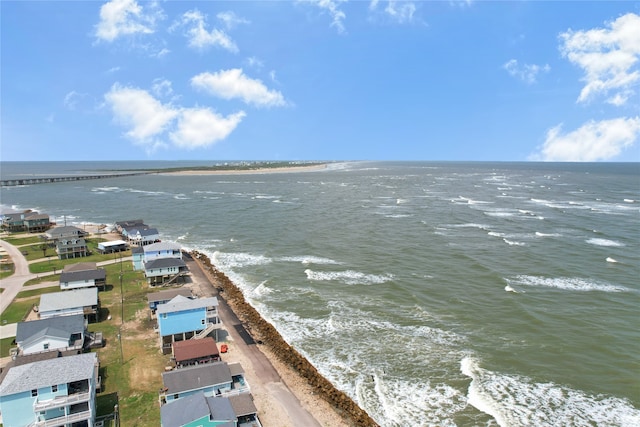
(265, 372)
(13, 284)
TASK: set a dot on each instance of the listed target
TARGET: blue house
(183, 318)
(162, 250)
(53, 392)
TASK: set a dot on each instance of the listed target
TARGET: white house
(83, 279)
(55, 333)
(67, 303)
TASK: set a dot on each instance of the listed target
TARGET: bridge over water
(43, 180)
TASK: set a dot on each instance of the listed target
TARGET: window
(164, 315)
(34, 393)
(202, 321)
(54, 388)
(46, 346)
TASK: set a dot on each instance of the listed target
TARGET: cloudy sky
(320, 80)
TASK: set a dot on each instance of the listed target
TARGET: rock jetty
(264, 333)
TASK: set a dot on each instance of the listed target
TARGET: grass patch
(37, 292)
(7, 270)
(131, 363)
(5, 346)
(19, 241)
(17, 310)
(55, 264)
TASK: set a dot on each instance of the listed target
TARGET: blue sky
(320, 80)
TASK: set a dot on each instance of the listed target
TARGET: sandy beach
(288, 169)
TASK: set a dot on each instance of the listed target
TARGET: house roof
(162, 246)
(188, 409)
(243, 404)
(180, 303)
(65, 230)
(235, 369)
(35, 216)
(130, 223)
(193, 349)
(69, 324)
(169, 294)
(112, 243)
(196, 377)
(75, 276)
(164, 263)
(80, 266)
(73, 298)
(137, 250)
(45, 373)
(144, 232)
(49, 332)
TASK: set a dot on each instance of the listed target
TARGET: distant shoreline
(259, 170)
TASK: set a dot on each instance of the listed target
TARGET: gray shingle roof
(168, 294)
(69, 299)
(70, 324)
(180, 303)
(75, 276)
(162, 246)
(56, 371)
(196, 377)
(188, 409)
(164, 263)
(243, 404)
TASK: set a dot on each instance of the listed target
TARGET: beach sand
(289, 169)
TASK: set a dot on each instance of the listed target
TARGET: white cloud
(72, 99)
(201, 127)
(126, 17)
(332, 7)
(145, 116)
(593, 141)
(528, 73)
(113, 70)
(199, 38)
(398, 11)
(229, 84)
(150, 123)
(162, 87)
(254, 62)
(230, 19)
(162, 52)
(608, 57)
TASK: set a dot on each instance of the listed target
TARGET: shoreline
(258, 171)
(301, 376)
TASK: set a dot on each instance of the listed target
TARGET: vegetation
(237, 166)
(5, 346)
(131, 361)
(19, 309)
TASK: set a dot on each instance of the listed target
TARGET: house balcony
(63, 420)
(61, 401)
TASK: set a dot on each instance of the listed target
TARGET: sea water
(432, 293)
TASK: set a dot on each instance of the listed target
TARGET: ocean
(434, 294)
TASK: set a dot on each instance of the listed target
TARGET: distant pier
(32, 181)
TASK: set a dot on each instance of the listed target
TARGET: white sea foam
(262, 289)
(629, 201)
(514, 243)
(604, 242)
(514, 400)
(348, 277)
(539, 234)
(566, 283)
(508, 288)
(239, 259)
(609, 259)
(496, 234)
(310, 260)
